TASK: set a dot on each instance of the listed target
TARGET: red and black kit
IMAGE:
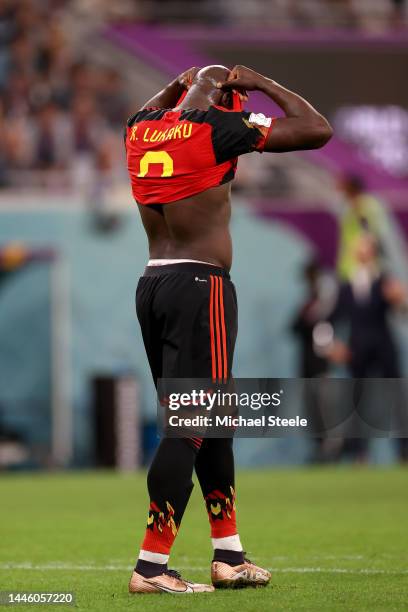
(188, 311)
(188, 316)
(189, 151)
(189, 319)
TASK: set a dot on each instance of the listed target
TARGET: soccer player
(182, 149)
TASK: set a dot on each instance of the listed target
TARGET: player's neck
(200, 98)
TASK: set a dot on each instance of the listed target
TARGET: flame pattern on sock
(221, 513)
(161, 529)
(161, 520)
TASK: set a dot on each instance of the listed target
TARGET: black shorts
(189, 319)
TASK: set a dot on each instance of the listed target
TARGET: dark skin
(198, 227)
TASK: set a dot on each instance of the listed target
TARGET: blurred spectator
(50, 133)
(49, 89)
(398, 13)
(332, 12)
(56, 109)
(311, 364)
(364, 303)
(361, 214)
(16, 256)
(278, 14)
(112, 100)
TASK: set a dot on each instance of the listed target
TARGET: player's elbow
(320, 132)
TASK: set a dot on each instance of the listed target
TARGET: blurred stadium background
(73, 373)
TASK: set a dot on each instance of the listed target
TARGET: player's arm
(302, 128)
(170, 95)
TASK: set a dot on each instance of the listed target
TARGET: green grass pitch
(335, 539)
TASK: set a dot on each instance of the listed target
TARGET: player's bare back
(192, 228)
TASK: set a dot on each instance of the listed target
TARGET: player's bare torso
(193, 228)
(182, 155)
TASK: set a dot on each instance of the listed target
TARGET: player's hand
(186, 78)
(394, 292)
(242, 79)
(339, 353)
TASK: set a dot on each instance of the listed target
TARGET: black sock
(149, 569)
(231, 557)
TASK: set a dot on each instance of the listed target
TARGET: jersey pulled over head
(173, 154)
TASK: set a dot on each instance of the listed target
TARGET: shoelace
(173, 574)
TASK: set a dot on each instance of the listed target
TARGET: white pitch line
(127, 568)
(336, 570)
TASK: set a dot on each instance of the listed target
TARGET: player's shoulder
(219, 117)
(224, 113)
(146, 114)
(246, 117)
(155, 114)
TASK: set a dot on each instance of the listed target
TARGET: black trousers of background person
(374, 357)
(188, 317)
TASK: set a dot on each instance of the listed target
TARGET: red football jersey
(172, 155)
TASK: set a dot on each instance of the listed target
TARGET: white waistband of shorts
(167, 262)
